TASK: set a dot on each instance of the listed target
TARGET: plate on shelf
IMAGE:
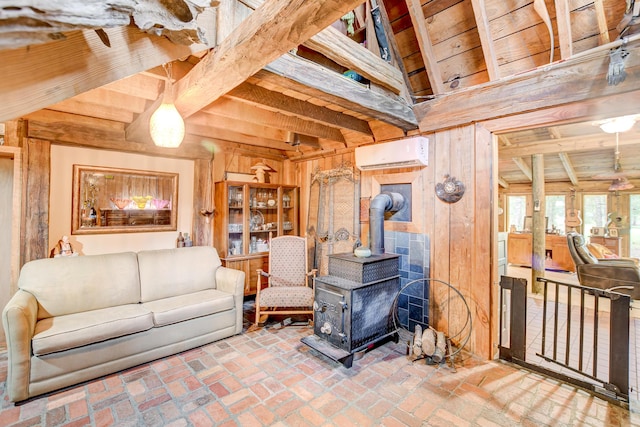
(256, 220)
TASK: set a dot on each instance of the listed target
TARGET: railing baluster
(567, 346)
(555, 324)
(596, 307)
(581, 345)
(544, 317)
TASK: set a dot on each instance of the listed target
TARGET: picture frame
(528, 224)
(115, 200)
(613, 232)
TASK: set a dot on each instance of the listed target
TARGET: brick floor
(268, 377)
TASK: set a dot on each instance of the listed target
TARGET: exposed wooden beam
(298, 74)
(106, 112)
(486, 41)
(334, 45)
(241, 127)
(603, 28)
(568, 167)
(563, 21)
(260, 96)
(138, 129)
(228, 107)
(63, 128)
(35, 77)
(502, 182)
(576, 80)
(276, 27)
(426, 47)
(524, 167)
(341, 49)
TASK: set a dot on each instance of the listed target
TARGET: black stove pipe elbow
(384, 202)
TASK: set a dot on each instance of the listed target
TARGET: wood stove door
(332, 317)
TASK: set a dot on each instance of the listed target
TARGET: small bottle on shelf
(180, 241)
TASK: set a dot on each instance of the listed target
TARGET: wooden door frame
(15, 154)
(592, 109)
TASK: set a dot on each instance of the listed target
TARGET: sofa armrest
(620, 278)
(19, 319)
(232, 281)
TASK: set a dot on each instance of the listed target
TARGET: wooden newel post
(539, 222)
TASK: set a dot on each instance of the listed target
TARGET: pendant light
(166, 125)
(616, 125)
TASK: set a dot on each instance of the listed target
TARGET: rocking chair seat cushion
(286, 296)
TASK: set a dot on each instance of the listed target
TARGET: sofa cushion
(184, 307)
(166, 273)
(75, 330)
(67, 285)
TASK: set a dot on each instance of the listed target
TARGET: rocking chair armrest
(263, 273)
(312, 273)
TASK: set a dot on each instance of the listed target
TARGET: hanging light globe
(166, 126)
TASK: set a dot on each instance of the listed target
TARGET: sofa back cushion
(67, 285)
(166, 273)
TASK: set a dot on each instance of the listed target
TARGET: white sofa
(78, 318)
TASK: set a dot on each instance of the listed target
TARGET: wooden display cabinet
(247, 217)
(557, 255)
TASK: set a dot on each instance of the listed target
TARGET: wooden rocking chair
(288, 290)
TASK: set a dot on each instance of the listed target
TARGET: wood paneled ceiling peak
(256, 73)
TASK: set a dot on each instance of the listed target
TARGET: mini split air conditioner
(404, 153)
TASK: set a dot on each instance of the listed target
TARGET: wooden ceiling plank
(563, 22)
(305, 76)
(228, 107)
(138, 129)
(486, 42)
(276, 27)
(576, 80)
(426, 47)
(568, 145)
(568, 167)
(35, 77)
(524, 167)
(260, 96)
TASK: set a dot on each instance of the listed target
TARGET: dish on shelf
(120, 203)
(256, 220)
(235, 228)
(159, 203)
(141, 201)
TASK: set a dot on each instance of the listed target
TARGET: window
(517, 210)
(594, 211)
(555, 210)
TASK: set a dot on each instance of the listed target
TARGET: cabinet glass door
(236, 220)
(288, 211)
(263, 222)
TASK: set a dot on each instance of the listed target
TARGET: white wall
(62, 160)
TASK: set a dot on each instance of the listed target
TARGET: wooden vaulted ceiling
(254, 76)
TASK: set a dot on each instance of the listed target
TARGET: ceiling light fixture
(618, 124)
(166, 125)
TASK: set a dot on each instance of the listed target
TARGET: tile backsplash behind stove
(413, 302)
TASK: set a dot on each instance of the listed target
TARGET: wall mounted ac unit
(404, 153)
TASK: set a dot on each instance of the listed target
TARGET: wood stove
(353, 305)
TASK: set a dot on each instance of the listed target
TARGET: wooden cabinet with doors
(557, 255)
(611, 243)
(247, 217)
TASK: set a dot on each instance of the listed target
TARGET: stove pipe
(386, 201)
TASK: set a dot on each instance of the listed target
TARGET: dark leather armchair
(616, 275)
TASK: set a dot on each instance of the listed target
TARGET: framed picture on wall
(613, 232)
(528, 224)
